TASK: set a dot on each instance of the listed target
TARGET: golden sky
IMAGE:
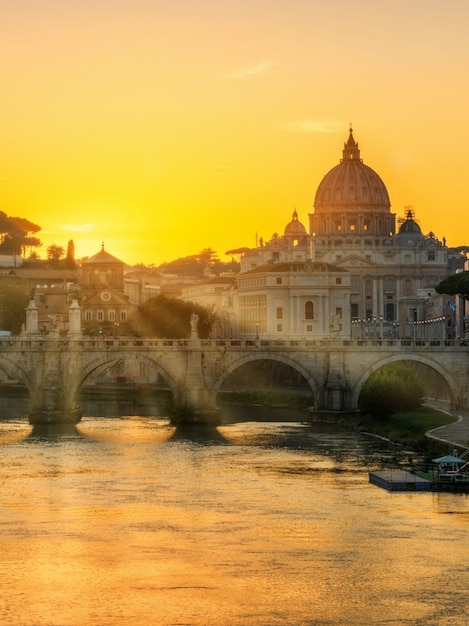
(162, 128)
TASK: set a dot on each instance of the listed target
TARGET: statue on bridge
(194, 320)
(334, 325)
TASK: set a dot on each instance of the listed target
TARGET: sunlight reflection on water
(132, 521)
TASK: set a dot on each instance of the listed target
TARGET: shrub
(391, 389)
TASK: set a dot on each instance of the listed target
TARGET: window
(112, 315)
(279, 328)
(123, 316)
(338, 281)
(354, 310)
(279, 313)
(278, 281)
(389, 312)
(100, 315)
(352, 226)
(309, 311)
(431, 255)
(309, 328)
(88, 316)
(102, 278)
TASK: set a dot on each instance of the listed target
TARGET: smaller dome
(409, 226)
(295, 229)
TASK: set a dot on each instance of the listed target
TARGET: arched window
(309, 310)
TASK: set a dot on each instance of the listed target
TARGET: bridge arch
(107, 361)
(358, 386)
(15, 370)
(237, 363)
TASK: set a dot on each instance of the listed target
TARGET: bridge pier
(196, 406)
(196, 403)
(52, 394)
(336, 395)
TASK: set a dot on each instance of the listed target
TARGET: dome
(352, 184)
(295, 229)
(409, 227)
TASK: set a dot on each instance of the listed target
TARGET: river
(126, 520)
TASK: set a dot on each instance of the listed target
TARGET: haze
(165, 128)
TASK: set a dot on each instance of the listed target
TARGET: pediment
(353, 261)
(106, 297)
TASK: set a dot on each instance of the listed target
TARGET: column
(32, 326)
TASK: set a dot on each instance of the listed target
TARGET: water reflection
(129, 520)
(54, 432)
(198, 433)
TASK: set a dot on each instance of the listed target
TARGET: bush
(391, 389)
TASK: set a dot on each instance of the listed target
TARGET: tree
(391, 389)
(197, 264)
(170, 318)
(55, 253)
(70, 258)
(14, 299)
(455, 285)
(17, 233)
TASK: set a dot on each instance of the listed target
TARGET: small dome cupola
(409, 225)
(295, 229)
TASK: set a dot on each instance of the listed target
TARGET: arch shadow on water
(198, 433)
(54, 432)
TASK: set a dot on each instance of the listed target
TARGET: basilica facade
(359, 268)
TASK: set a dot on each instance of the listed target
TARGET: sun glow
(164, 131)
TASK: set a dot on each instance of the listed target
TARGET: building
(219, 294)
(282, 292)
(295, 299)
(106, 309)
(52, 291)
(359, 268)
(353, 227)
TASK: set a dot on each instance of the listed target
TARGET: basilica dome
(352, 200)
(351, 184)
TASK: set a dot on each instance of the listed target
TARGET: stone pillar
(52, 392)
(198, 403)
(74, 319)
(336, 394)
(32, 325)
(466, 327)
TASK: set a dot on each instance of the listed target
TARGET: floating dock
(399, 480)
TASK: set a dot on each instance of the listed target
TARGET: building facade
(393, 271)
(378, 272)
(106, 309)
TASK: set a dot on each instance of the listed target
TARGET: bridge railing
(119, 343)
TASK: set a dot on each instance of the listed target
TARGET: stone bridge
(54, 367)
